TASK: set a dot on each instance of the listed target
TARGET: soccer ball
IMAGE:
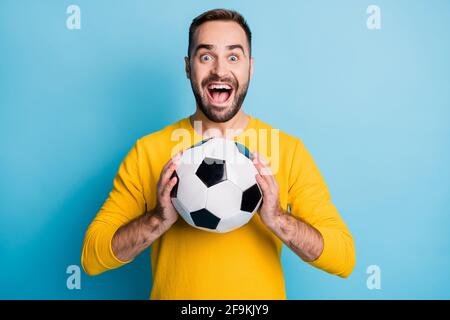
(216, 189)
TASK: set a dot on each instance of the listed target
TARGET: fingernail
(263, 160)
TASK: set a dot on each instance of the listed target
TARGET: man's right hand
(134, 237)
(164, 207)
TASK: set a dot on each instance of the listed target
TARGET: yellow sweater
(188, 263)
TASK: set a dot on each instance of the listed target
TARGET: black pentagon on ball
(205, 219)
(173, 192)
(250, 198)
(212, 171)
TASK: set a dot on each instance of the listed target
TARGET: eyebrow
(212, 47)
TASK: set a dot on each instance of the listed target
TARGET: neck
(207, 128)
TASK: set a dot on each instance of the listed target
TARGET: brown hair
(219, 15)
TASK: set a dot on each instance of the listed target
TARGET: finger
(257, 159)
(257, 162)
(259, 167)
(175, 159)
(266, 174)
(267, 171)
(261, 158)
(265, 164)
(263, 170)
(170, 167)
(166, 167)
(263, 184)
(264, 177)
(253, 155)
(167, 188)
(167, 173)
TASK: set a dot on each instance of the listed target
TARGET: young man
(188, 263)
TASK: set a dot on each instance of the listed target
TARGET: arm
(133, 238)
(302, 238)
(305, 240)
(136, 236)
(122, 227)
(313, 228)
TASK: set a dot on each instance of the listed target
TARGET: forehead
(221, 34)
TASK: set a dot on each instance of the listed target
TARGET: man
(189, 263)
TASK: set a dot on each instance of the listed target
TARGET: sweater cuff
(106, 253)
(332, 259)
(327, 259)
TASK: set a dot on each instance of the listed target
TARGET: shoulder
(285, 139)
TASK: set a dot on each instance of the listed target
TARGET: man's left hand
(270, 209)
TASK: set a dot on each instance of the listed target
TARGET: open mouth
(219, 93)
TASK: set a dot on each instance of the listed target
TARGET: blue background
(372, 106)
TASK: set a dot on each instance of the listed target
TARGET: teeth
(219, 86)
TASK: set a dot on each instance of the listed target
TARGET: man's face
(220, 69)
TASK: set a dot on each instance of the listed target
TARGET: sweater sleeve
(309, 201)
(124, 203)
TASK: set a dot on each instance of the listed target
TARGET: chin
(220, 114)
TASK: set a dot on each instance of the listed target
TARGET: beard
(210, 111)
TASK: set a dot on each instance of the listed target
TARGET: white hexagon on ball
(224, 200)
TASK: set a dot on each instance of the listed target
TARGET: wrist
(167, 223)
(165, 219)
(154, 226)
(274, 222)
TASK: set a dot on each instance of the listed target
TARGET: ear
(187, 67)
(252, 62)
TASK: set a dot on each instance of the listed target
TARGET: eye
(205, 58)
(233, 58)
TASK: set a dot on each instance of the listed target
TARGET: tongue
(219, 96)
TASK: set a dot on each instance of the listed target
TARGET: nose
(220, 68)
